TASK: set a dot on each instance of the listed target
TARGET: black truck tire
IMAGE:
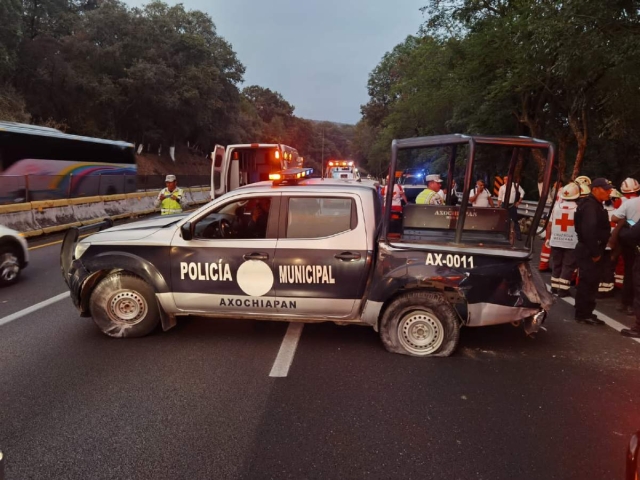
(124, 305)
(420, 324)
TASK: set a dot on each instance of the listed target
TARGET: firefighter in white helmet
(171, 199)
(585, 190)
(630, 188)
(627, 214)
(583, 180)
(563, 239)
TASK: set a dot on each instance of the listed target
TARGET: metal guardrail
(527, 208)
(29, 188)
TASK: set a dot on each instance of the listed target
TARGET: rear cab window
(320, 217)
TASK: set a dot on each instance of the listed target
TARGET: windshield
(412, 179)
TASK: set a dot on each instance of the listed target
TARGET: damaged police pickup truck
(314, 250)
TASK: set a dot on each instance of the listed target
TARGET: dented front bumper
(73, 271)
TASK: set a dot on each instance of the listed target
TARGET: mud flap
(66, 252)
(168, 320)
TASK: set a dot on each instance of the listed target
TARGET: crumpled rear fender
(498, 290)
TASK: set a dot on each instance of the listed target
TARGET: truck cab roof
(314, 184)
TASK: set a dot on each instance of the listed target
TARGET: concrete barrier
(88, 210)
(54, 215)
(37, 218)
(200, 195)
(142, 202)
(19, 217)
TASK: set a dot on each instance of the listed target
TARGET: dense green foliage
(158, 75)
(565, 71)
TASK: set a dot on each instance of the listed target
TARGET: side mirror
(632, 471)
(185, 230)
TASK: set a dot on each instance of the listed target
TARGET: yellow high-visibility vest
(169, 206)
(428, 197)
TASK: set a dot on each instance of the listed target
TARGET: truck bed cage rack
(453, 140)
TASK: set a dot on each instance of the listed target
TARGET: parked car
(14, 255)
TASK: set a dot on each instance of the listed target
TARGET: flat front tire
(123, 305)
(420, 324)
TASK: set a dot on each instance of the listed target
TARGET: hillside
(186, 163)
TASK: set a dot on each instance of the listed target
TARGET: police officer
(593, 230)
(430, 195)
(171, 199)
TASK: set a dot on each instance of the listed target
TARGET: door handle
(348, 256)
(256, 256)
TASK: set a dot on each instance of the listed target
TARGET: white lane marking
(33, 308)
(287, 350)
(605, 318)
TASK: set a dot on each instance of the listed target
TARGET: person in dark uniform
(593, 230)
(630, 238)
(257, 226)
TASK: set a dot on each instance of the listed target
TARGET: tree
(268, 104)
(548, 69)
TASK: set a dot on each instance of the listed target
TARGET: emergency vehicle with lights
(238, 165)
(343, 169)
(302, 249)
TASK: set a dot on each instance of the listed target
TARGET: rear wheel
(123, 305)
(9, 266)
(420, 324)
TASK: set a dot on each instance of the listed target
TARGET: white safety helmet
(570, 191)
(615, 194)
(585, 189)
(583, 179)
(170, 178)
(630, 185)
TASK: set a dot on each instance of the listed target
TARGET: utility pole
(322, 160)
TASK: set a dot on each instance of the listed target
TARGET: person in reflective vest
(430, 196)
(545, 252)
(609, 260)
(563, 239)
(171, 199)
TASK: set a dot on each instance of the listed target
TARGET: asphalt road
(197, 402)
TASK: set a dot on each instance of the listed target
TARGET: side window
(310, 217)
(243, 219)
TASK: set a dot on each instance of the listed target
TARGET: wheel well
(91, 283)
(406, 289)
(14, 245)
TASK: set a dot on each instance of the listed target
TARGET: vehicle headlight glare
(80, 249)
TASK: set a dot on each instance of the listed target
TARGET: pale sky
(316, 53)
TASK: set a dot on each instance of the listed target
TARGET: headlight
(80, 249)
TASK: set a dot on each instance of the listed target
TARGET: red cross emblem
(564, 222)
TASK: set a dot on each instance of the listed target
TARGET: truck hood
(135, 230)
